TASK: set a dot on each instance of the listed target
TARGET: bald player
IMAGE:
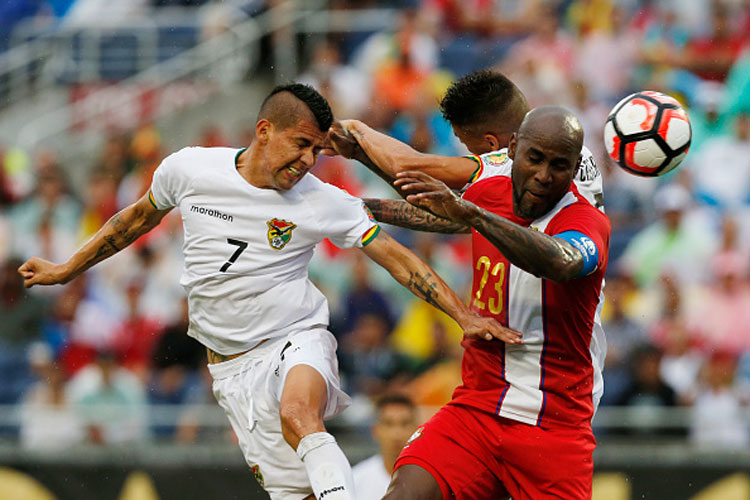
(484, 108)
(520, 424)
(251, 219)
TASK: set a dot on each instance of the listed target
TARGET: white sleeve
(589, 180)
(344, 219)
(489, 165)
(171, 180)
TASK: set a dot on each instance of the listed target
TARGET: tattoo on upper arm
(404, 214)
(533, 251)
(425, 287)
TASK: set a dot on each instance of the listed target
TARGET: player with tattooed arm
(484, 108)
(520, 424)
(251, 219)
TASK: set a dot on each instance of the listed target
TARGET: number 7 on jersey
(241, 246)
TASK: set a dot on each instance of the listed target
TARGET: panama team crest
(279, 233)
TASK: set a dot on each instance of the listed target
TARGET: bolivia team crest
(279, 233)
(255, 469)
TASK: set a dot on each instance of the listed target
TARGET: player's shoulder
(581, 208)
(589, 171)
(491, 164)
(198, 155)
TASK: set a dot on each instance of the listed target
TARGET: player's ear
(578, 164)
(263, 130)
(512, 145)
(492, 140)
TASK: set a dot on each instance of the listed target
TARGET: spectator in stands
(711, 56)
(395, 421)
(48, 421)
(364, 298)
(669, 244)
(137, 333)
(100, 203)
(543, 63)
(681, 359)
(623, 337)
(48, 220)
(110, 400)
(422, 333)
(606, 56)
(21, 318)
(413, 37)
(648, 390)
(727, 187)
(397, 84)
(721, 316)
(345, 87)
(434, 387)
(422, 126)
(175, 380)
(92, 325)
(718, 418)
(368, 363)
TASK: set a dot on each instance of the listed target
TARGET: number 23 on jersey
(490, 292)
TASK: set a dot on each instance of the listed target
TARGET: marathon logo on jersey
(279, 233)
(327, 492)
(211, 213)
(255, 469)
(496, 159)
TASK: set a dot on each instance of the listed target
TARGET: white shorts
(249, 389)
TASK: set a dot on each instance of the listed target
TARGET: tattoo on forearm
(533, 251)
(126, 233)
(425, 288)
(404, 214)
(111, 242)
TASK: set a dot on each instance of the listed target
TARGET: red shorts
(477, 455)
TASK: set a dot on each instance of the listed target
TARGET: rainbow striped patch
(151, 199)
(478, 171)
(370, 235)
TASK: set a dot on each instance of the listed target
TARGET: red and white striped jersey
(555, 377)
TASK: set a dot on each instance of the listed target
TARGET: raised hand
(428, 193)
(36, 271)
(488, 329)
(341, 141)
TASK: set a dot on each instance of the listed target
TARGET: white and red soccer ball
(647, 133)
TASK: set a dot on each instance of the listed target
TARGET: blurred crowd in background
(677, 310)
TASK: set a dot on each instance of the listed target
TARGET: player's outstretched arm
(533, 251)
(403, 214)
(422, 281)
(387, 156)
(119, 231)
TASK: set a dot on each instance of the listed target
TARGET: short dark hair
(315, 102)
(394, 398)
(484, 97)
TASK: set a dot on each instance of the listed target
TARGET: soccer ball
(647, 133)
